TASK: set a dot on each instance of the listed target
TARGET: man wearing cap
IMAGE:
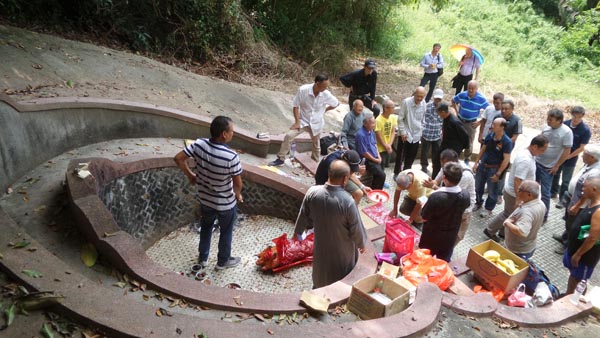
(366, 146)
(433, 64)
(354, 186)
(385, 132)
(468, 105)
(309, 106)
(432, 134)
(363, 83)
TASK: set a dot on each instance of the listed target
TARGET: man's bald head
(338, 171)
(419, 94)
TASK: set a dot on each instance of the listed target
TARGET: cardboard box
(489, 274)
(412, 289)
(368, 307)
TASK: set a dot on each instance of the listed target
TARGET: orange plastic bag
(419, 266)
(497, 294)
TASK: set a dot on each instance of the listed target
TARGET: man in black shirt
(354, 185)
(454, 136)
(363, 83)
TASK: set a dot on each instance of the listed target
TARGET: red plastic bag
(400, 238)
(420, 266)
(286, 253)
(519, 298)
(497, 294)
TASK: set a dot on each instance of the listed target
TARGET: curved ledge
(550, 315)
(480, 304)
(127, 254)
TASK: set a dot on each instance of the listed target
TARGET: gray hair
(403, 181)
(531, 187)
(593, 150)
(368, 116)
(338, 169)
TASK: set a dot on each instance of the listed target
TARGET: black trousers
(366, 99)
(432, 79)
(405, 152)
(435, 155)
(378, 174)
(461, 82)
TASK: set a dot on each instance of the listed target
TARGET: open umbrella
(458, 51)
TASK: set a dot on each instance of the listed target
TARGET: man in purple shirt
(366, 146)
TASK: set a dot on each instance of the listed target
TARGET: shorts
(407, 206)
(351, 187)
(581, 272)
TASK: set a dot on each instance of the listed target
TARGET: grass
(522, 50)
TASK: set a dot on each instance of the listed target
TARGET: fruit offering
(506, 265)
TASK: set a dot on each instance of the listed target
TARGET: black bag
(456, 80)
(440, 70)
(326, 142)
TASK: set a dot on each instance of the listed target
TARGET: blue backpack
(536, 275)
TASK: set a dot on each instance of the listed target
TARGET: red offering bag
(288, 253)
(400, 238)
(420, 266)
(497, 294)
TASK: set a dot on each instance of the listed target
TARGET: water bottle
(578, 292)
(292, 149)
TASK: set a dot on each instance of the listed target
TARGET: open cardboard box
(368, 307)
(492, 277)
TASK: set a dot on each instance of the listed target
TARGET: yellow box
(489, 274)
(367, 307)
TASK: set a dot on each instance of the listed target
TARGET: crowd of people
(440, 205)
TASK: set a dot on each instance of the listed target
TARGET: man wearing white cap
(432, 134)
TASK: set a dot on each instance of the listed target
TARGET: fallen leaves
(162, 312)
(89, 254)
(37, 66)
(19, 245)
(32, 273)
(9, 314)
(238, 301)
(46, 331)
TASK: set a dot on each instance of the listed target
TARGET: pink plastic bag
(519, 298)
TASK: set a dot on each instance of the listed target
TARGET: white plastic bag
(542, 294)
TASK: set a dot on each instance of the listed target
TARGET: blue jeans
(483, 176)
(567, 174)
(526, 256)
(544, 178)
(226, 222)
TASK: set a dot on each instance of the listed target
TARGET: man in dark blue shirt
(366, 146)
(492, 161)
(363, 84)
(581, 137)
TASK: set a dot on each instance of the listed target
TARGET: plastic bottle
(578, 292)
(293, 149)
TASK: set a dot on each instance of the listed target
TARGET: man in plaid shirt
(432, 134)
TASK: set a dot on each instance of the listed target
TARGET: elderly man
(591, 168)
(413, 181)
(366, 146)
(354, 186)
(492, 161)
(468, 105)
(523, 168)
(310, 104)
(432, 133)
(467, 183)
(443, 212)
(581, 137)
(583, 251)
(524, 222)
(410, 129)
(432, 63)
(559, 146)
(363, 84)
(352, 123)
(385, 132)
(339, 233)
(488, 116)
(218, 178)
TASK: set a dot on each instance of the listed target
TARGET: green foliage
(523, 50)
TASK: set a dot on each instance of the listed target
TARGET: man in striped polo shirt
(218, 177)
(468, 105)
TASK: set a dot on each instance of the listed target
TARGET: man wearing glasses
(523, 224)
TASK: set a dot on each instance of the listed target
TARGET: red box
(400, 238)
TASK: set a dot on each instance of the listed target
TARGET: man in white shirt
(410, 129)
(523, 168)
(310, 104)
